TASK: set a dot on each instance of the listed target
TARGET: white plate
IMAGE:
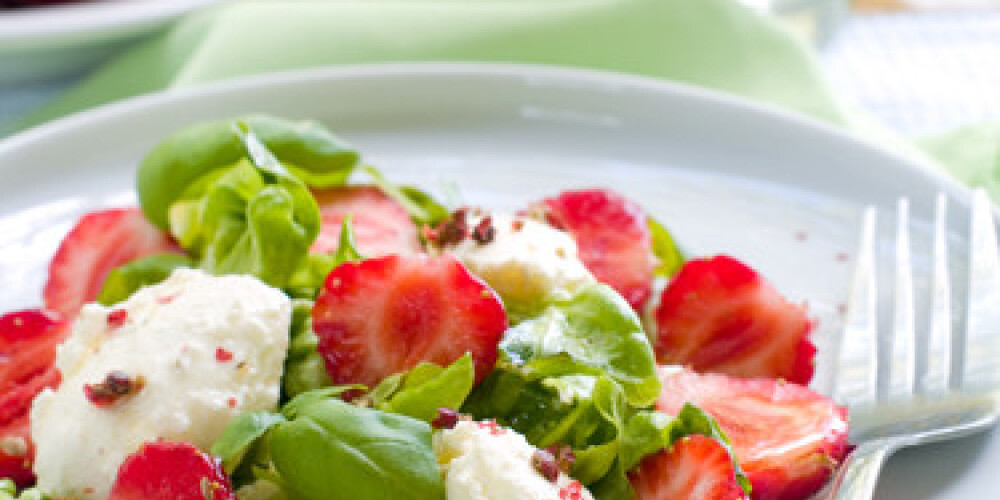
(725, 175)
(50, 41)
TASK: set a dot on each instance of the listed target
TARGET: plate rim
(551, 74)
(52, 26)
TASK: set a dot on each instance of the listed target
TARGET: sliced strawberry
(693, 468)
(100, 242)
(718, 315)
(16, 452)
(382, 316)
(381, 225)
(28, 341)
(166, 470)
(787, 437)
(612, 236)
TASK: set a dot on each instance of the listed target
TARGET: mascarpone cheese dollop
(197, 349)
(483, 461)
(524, 261)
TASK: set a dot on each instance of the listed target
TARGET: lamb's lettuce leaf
(308, 278)
(420, 392)
(305, 369)
(423, 209)
(665, 249)
(593, 332)
(125, 280)
(253, 217)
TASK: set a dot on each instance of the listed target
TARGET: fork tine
(937, 360)
(903, 348)
(981, 369)
(858, 361)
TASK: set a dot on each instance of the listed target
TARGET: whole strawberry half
(382, 316)
(788, 438)
(165, 470)
(612, 236)
(693, 468)
(719, 315)
(381, 225)
(100, 242)
(28, 341)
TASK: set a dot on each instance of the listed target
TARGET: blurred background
(918, 67)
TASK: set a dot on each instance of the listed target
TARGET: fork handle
(859, 474)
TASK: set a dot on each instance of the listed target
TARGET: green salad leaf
(322, 448)
(305, 369)
(665, 249)
(420, 392)
(8, 491)
(307, 149)
(125, 280)
(423, 209)
(308, 278)
(593, 332)
(241, 433)
(251, 218)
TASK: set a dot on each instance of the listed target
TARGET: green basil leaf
(125, 280)
(428, 387)
(240, 434)
(308, 150)
(292, 408)
(333, 450)
(592, 332)
(665, 249)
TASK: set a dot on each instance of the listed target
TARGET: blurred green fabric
(718, 44)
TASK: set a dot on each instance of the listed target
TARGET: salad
(277, 320)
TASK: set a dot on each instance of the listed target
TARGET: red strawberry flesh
(719, 315)
(381, 225)
(166, 470)
(28, 341)
(787, 437)
(100, 242)
(693, 468)
(382, 316)
(612, 236)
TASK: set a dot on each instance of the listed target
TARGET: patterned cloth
(920, 72)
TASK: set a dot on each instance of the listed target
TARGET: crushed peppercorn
(484, 232)
(446, 419)
(453, 230)
(564, 456)
(545, 464)
(116, 385)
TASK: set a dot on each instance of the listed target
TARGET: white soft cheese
(208, 349)
(482, 461)
(525, 261)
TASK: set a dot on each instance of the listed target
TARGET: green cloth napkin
(712, 43)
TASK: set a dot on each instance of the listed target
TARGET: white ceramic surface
(778, 190)
(51, 41)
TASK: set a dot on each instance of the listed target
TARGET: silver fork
(935, 382)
